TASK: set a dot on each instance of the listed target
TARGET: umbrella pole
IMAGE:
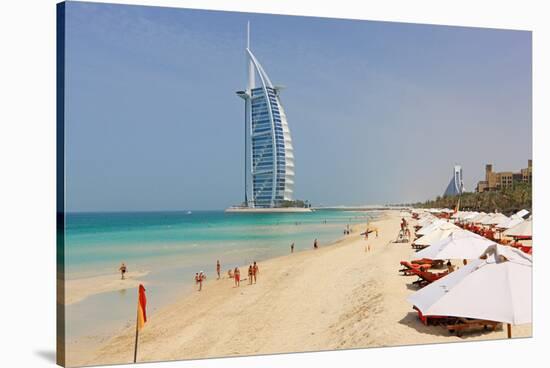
(509, 328)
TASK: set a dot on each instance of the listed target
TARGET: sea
(172, 247)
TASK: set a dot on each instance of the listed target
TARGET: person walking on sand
(315, 244)
(255, 271)
(122, 270)
(292, 248)
(237, 276)
(250, 275)
(218, 268)
(197, 278)
(202, 277)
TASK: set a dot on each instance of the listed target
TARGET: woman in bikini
(237, 276)
(255, 271)
(250, 275)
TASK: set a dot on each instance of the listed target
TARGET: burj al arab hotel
(269, 156)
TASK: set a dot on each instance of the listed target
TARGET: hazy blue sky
(379, 112)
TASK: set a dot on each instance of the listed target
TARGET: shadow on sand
(411, 320)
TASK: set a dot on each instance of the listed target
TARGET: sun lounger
(407, 267)
(426, 277)
(434, 320)
(435, 263)
(465, 324)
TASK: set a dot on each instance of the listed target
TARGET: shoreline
(79, 289)
(336, 297)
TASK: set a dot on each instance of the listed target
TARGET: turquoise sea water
(172, 246)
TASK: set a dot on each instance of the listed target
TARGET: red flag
(142, 303)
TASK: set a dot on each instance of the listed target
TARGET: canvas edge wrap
(60, 185)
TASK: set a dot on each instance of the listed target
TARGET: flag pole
(137, 334)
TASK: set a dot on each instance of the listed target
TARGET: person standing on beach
(250, 275)
(292, 248)
(202, 277)
(255, 271)
(197, 278)
(237, 276)
(218, 268)
(315, 245)
(122, 270)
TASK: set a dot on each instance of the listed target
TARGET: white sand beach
(339, 296)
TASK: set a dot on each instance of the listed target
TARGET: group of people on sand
(235, 274)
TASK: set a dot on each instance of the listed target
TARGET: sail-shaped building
(456, 185)
(269, 156)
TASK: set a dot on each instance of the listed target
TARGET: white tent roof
(523, 229)
(482, 289)
(460, 244)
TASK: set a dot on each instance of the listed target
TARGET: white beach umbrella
(436, 225)
(522, 213)
(460, 244)
(496, 218)
(436, 235)
(489, 219)
(510, 253)
(483, 289)
(470, 216)
(477, 218)
(523, 229)
(424, 221)
(509, 223)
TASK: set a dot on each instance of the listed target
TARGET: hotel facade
(504, 179)
(269, 155)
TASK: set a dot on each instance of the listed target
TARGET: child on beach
(122, 270)
(218, 268)
(315, 245)
(237, 276)
(255, 271)
(292, 248)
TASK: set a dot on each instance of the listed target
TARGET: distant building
(456, 185)
(269, 155)
(505, 179)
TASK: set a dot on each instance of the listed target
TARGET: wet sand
(79, 289)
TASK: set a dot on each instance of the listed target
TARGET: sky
(379, 112)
